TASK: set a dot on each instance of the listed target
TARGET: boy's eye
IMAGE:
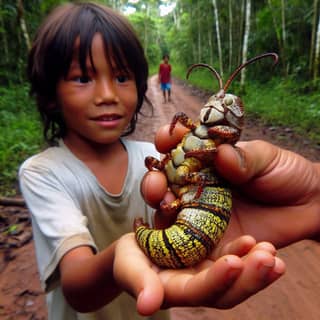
(122, 78)
(82, 79)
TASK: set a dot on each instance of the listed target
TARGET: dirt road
(294, 297)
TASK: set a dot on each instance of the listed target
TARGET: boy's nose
(105, 93)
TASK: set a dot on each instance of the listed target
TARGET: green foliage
(21, 134)
(153, 69)
(145, 27)
(279, 102)
(188, 33)
(180, 45)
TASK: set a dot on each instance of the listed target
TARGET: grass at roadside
(279, 103)
(20, 134)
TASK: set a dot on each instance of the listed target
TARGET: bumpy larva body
(204, 201)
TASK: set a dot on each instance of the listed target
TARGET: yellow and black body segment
(198, 228)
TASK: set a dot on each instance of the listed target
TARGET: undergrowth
(20, 134)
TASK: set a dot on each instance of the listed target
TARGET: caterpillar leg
(202, 155)
(138, 222)
(152, 163)
(170, 208)
(224, 134)
(183, 119)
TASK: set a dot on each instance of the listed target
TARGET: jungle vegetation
(220, 33)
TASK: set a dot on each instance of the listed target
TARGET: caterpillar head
(225, 108)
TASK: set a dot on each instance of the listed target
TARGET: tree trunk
(240, 35)
(199, 34)
(214, 2)
(4, 40)
(176, 19)
(245, 42)
(210, 46)
(317, 53)
(5, 201)
(313, 36)
(23, 24)
(284, 37)
(280, 38)
(230, 35)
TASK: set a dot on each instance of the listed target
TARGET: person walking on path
(165, 78)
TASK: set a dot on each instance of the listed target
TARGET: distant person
(165, 78)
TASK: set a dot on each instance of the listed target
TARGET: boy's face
(96, 107)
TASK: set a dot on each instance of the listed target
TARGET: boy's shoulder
(47, 159)
(138, 143)
(142, 146)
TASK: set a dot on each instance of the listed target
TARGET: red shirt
(165, 72)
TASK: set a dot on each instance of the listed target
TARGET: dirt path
(294, 297)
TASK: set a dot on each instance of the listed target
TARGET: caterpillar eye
(228, 101)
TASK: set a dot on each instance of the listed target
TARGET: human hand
(232, 274)
(276, 193)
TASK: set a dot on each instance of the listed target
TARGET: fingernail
(241, 157)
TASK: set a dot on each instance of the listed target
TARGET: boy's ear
(53, 108)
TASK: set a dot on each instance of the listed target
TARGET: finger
(239, 247)
(137, 275)
(164, 141)
(154, 186)
(191, 287)
(260, 270)
(150, 298)
(266, 170)
(265, 246)
(247, 160)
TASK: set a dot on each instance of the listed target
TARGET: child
(89, 75)
(165, 78)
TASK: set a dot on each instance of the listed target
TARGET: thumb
(135, 274)
(246, 160)
(151, 295)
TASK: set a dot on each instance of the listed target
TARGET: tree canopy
(220, 33)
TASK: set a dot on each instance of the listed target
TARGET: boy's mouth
(107, 117)
(108, 121)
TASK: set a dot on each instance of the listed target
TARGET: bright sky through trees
(165, 8)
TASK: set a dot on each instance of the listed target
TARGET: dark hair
(52, 51)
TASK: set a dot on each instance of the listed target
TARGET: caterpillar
(204, 200)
